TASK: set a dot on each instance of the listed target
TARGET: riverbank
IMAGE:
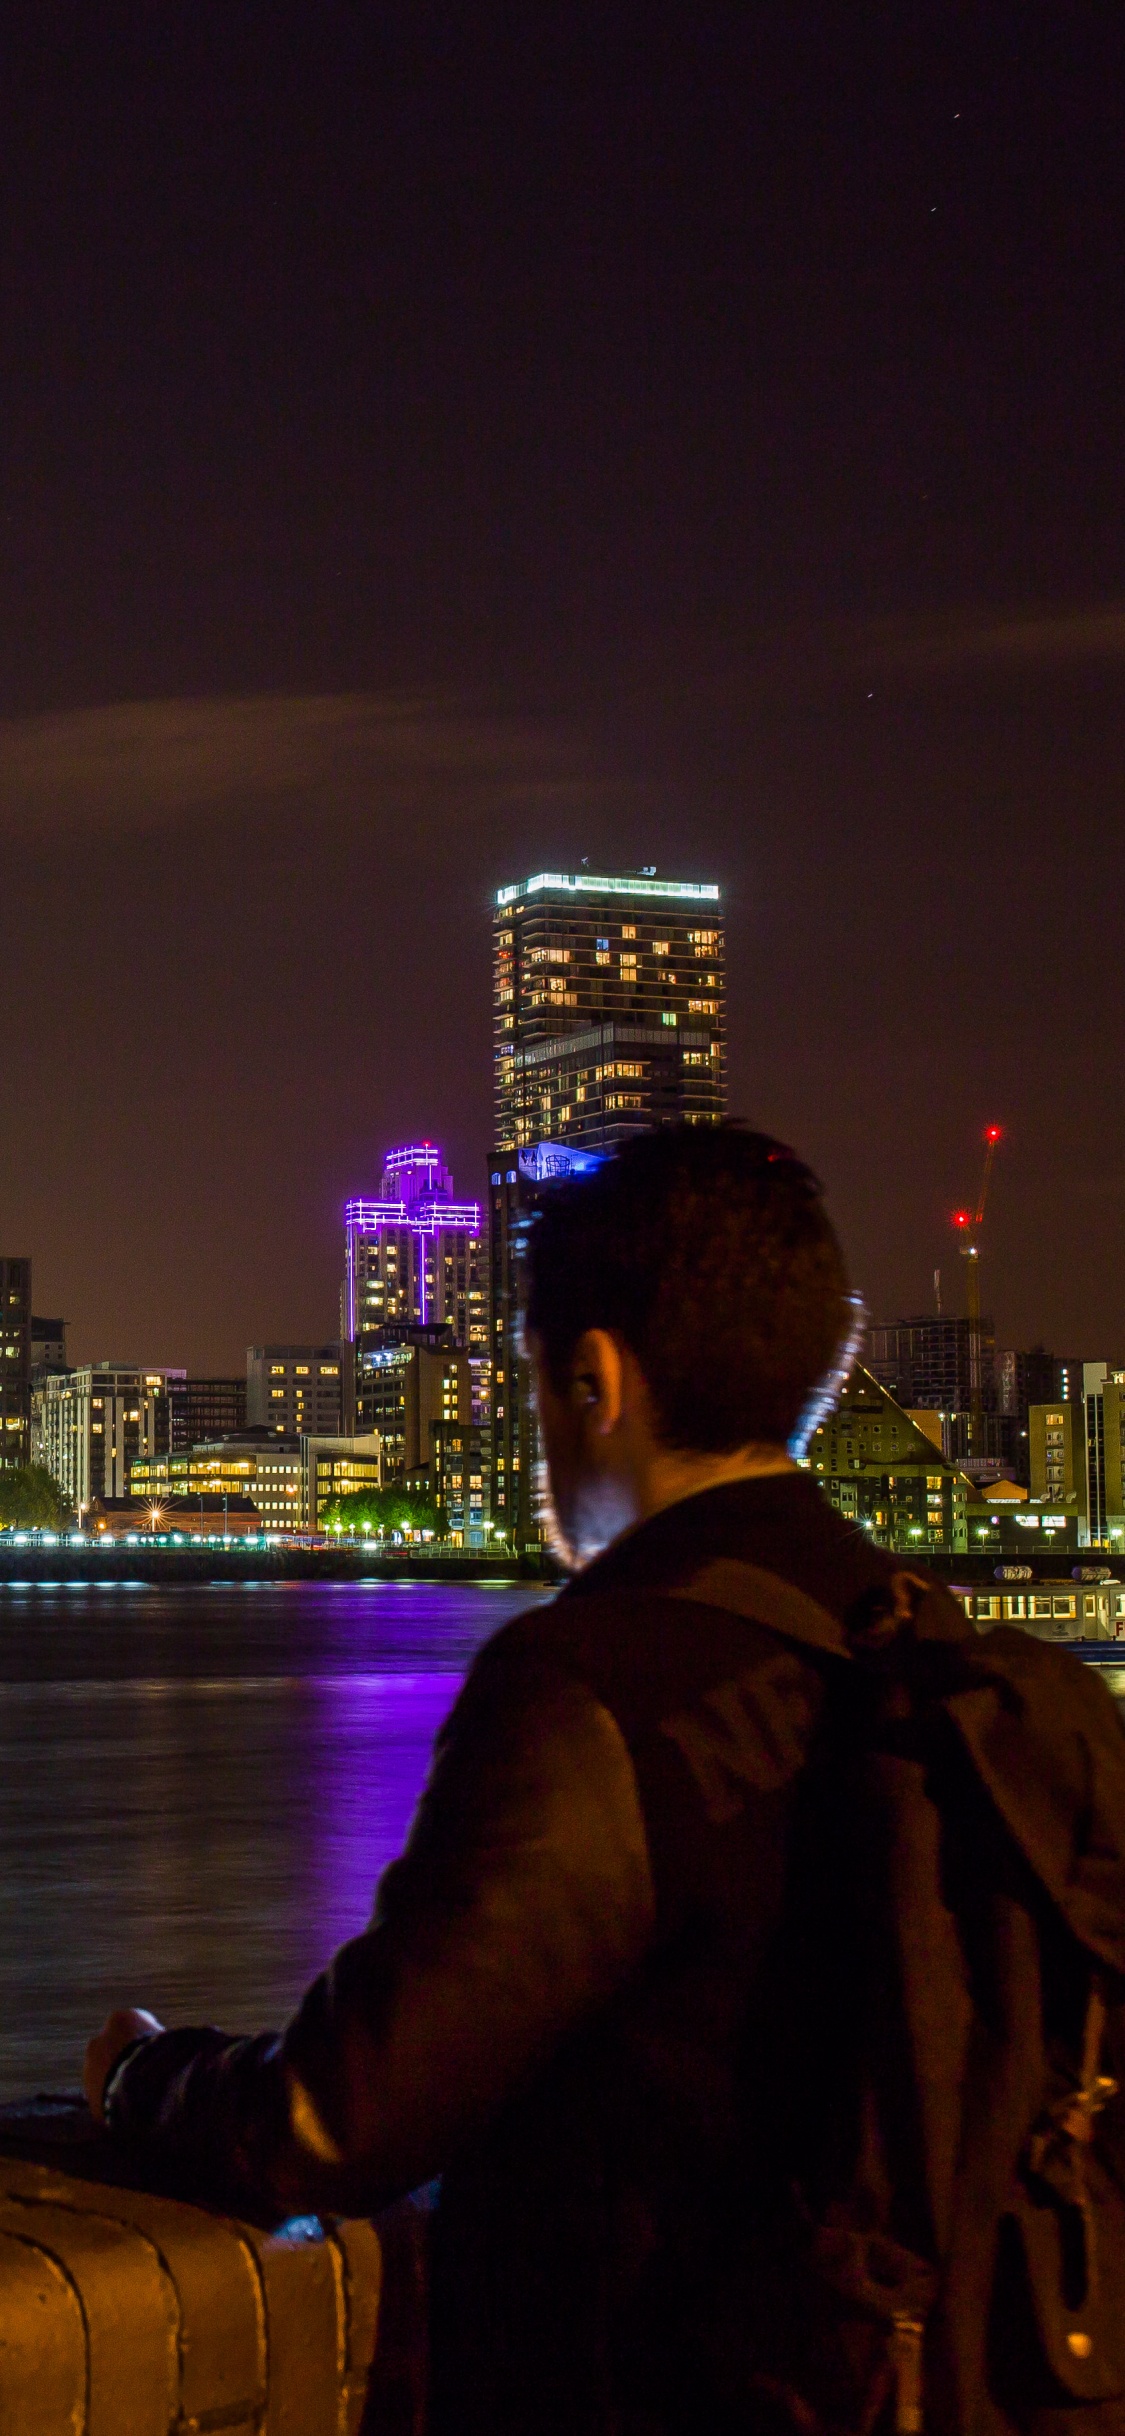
(233, 1562)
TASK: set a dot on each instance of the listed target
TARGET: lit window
(661, 947)
(603, 956)
(703, 1006)
(628, 930)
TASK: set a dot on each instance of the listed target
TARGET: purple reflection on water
(200, 1787)
(373, 1736)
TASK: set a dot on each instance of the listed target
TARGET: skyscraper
(609, 1016)
(608, 1007)
(415, 1254)
(15, 1361)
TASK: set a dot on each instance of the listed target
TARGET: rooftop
(614, 884)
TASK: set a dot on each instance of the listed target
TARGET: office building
(609, 1007)
(941, 1362)
(609, 1017)
(408, 1380)
(1057, 1444)
(288, 1480)
(415, 1257)
(1091, 1440)
(208, 1514)
(1078, 1454)
(209, 1408)
(295, 1390)
(983, 1392)
(48, 1349)
(15, 1361)
(883, 1472)
(339, 1467)
(457, 1479)
(92, 1424)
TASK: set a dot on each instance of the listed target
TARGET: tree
(380, 1511)
(30, 1499)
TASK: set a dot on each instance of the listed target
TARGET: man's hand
(102, 2053)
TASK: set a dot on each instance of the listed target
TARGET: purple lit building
(416, 1254)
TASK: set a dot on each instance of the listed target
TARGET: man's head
(683, 1303)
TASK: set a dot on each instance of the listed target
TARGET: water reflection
(200, 1787)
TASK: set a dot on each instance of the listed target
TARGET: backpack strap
(765, 1598)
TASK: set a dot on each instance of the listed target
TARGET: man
(570, 2004)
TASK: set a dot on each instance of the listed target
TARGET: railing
(127, 2314)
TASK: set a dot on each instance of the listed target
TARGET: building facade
(1078, 1454)
(609, 1017)
(409, 1380)
(295, 1390)
(609, 1007)
(48, 1349)
(210, 1408)
(415, 1256)
(91, 1425)
(458, 1480)
(288, 1480)
(15, 1361)
(939, 1361)
(884, 1473)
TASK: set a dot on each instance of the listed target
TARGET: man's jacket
(567, 2002)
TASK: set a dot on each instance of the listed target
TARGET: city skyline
(695, 903)
(692, 443)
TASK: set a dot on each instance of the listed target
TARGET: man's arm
(521, 1903)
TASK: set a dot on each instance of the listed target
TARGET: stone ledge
(127, 2314)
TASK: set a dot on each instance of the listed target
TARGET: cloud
(1010, 640)
(137, 765)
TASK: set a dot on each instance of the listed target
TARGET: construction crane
(969, 1224)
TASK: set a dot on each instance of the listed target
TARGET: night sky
(440, 441)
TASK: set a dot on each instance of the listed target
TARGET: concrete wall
(125, 2315)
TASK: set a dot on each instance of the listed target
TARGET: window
(300, 1370)
(628, 930)
(703, 1006)
(661, 947)
(603, 956)
(601, 945)
(628, 960)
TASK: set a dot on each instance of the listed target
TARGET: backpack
(943, 2243)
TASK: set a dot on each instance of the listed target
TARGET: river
(199, 1787)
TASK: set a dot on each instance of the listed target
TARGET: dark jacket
(566, 2002)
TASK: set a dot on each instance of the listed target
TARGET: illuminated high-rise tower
(609, 1008)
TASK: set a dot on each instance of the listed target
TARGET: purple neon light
(417, 1171)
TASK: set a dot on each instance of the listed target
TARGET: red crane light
(962, 1217)
(994, 1133)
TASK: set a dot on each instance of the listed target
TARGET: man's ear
(597, 1379)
